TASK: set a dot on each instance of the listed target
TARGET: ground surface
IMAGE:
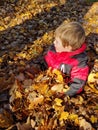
(26, 29)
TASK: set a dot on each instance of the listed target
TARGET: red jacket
(74, 64)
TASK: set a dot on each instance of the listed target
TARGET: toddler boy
(68, 54)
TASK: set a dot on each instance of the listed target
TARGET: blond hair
(71, 34)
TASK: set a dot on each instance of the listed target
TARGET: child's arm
(78, 80)
(78, 77)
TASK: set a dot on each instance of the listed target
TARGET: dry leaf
(58, 101)
(93, 119)
(59, 75)
(57, 88)
(64, 116)
(35, 102)
(84, 124)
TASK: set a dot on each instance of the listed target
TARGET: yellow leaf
(66, 88)
(22, 62)
(45, 37)
(64, 116)
(57, 88)
(31, 105)
(91, 77)
(73, 117)
(36, 87)
(41, 88)
(39, 77)
(18, 94)
(81, 100)
(22, 55)
(42, 121)
(1, 60)
(93, 119)
(92, 81)
(31, 96)
(44, 89)
(58, 101)
(96, 30)
(47, 99)
(59, 78)
(36, 101)
(33, 123)
(77, 121)
(58, 109)
(84, 124)
(2, 28)
(59, 75)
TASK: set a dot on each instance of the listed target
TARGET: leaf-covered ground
(26, 31)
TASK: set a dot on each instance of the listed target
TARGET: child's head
(71, 34)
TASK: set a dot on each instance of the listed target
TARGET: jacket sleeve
(78, 80)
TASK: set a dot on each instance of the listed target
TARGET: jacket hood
(54, 59)
(78, 51)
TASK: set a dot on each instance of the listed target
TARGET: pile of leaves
(37, 102)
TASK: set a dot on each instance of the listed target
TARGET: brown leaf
(84, 124)
(6, 119)
(6, 84)
(23, 126)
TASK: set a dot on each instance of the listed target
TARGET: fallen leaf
(58, 101)
(85, 125)
(64, 116)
